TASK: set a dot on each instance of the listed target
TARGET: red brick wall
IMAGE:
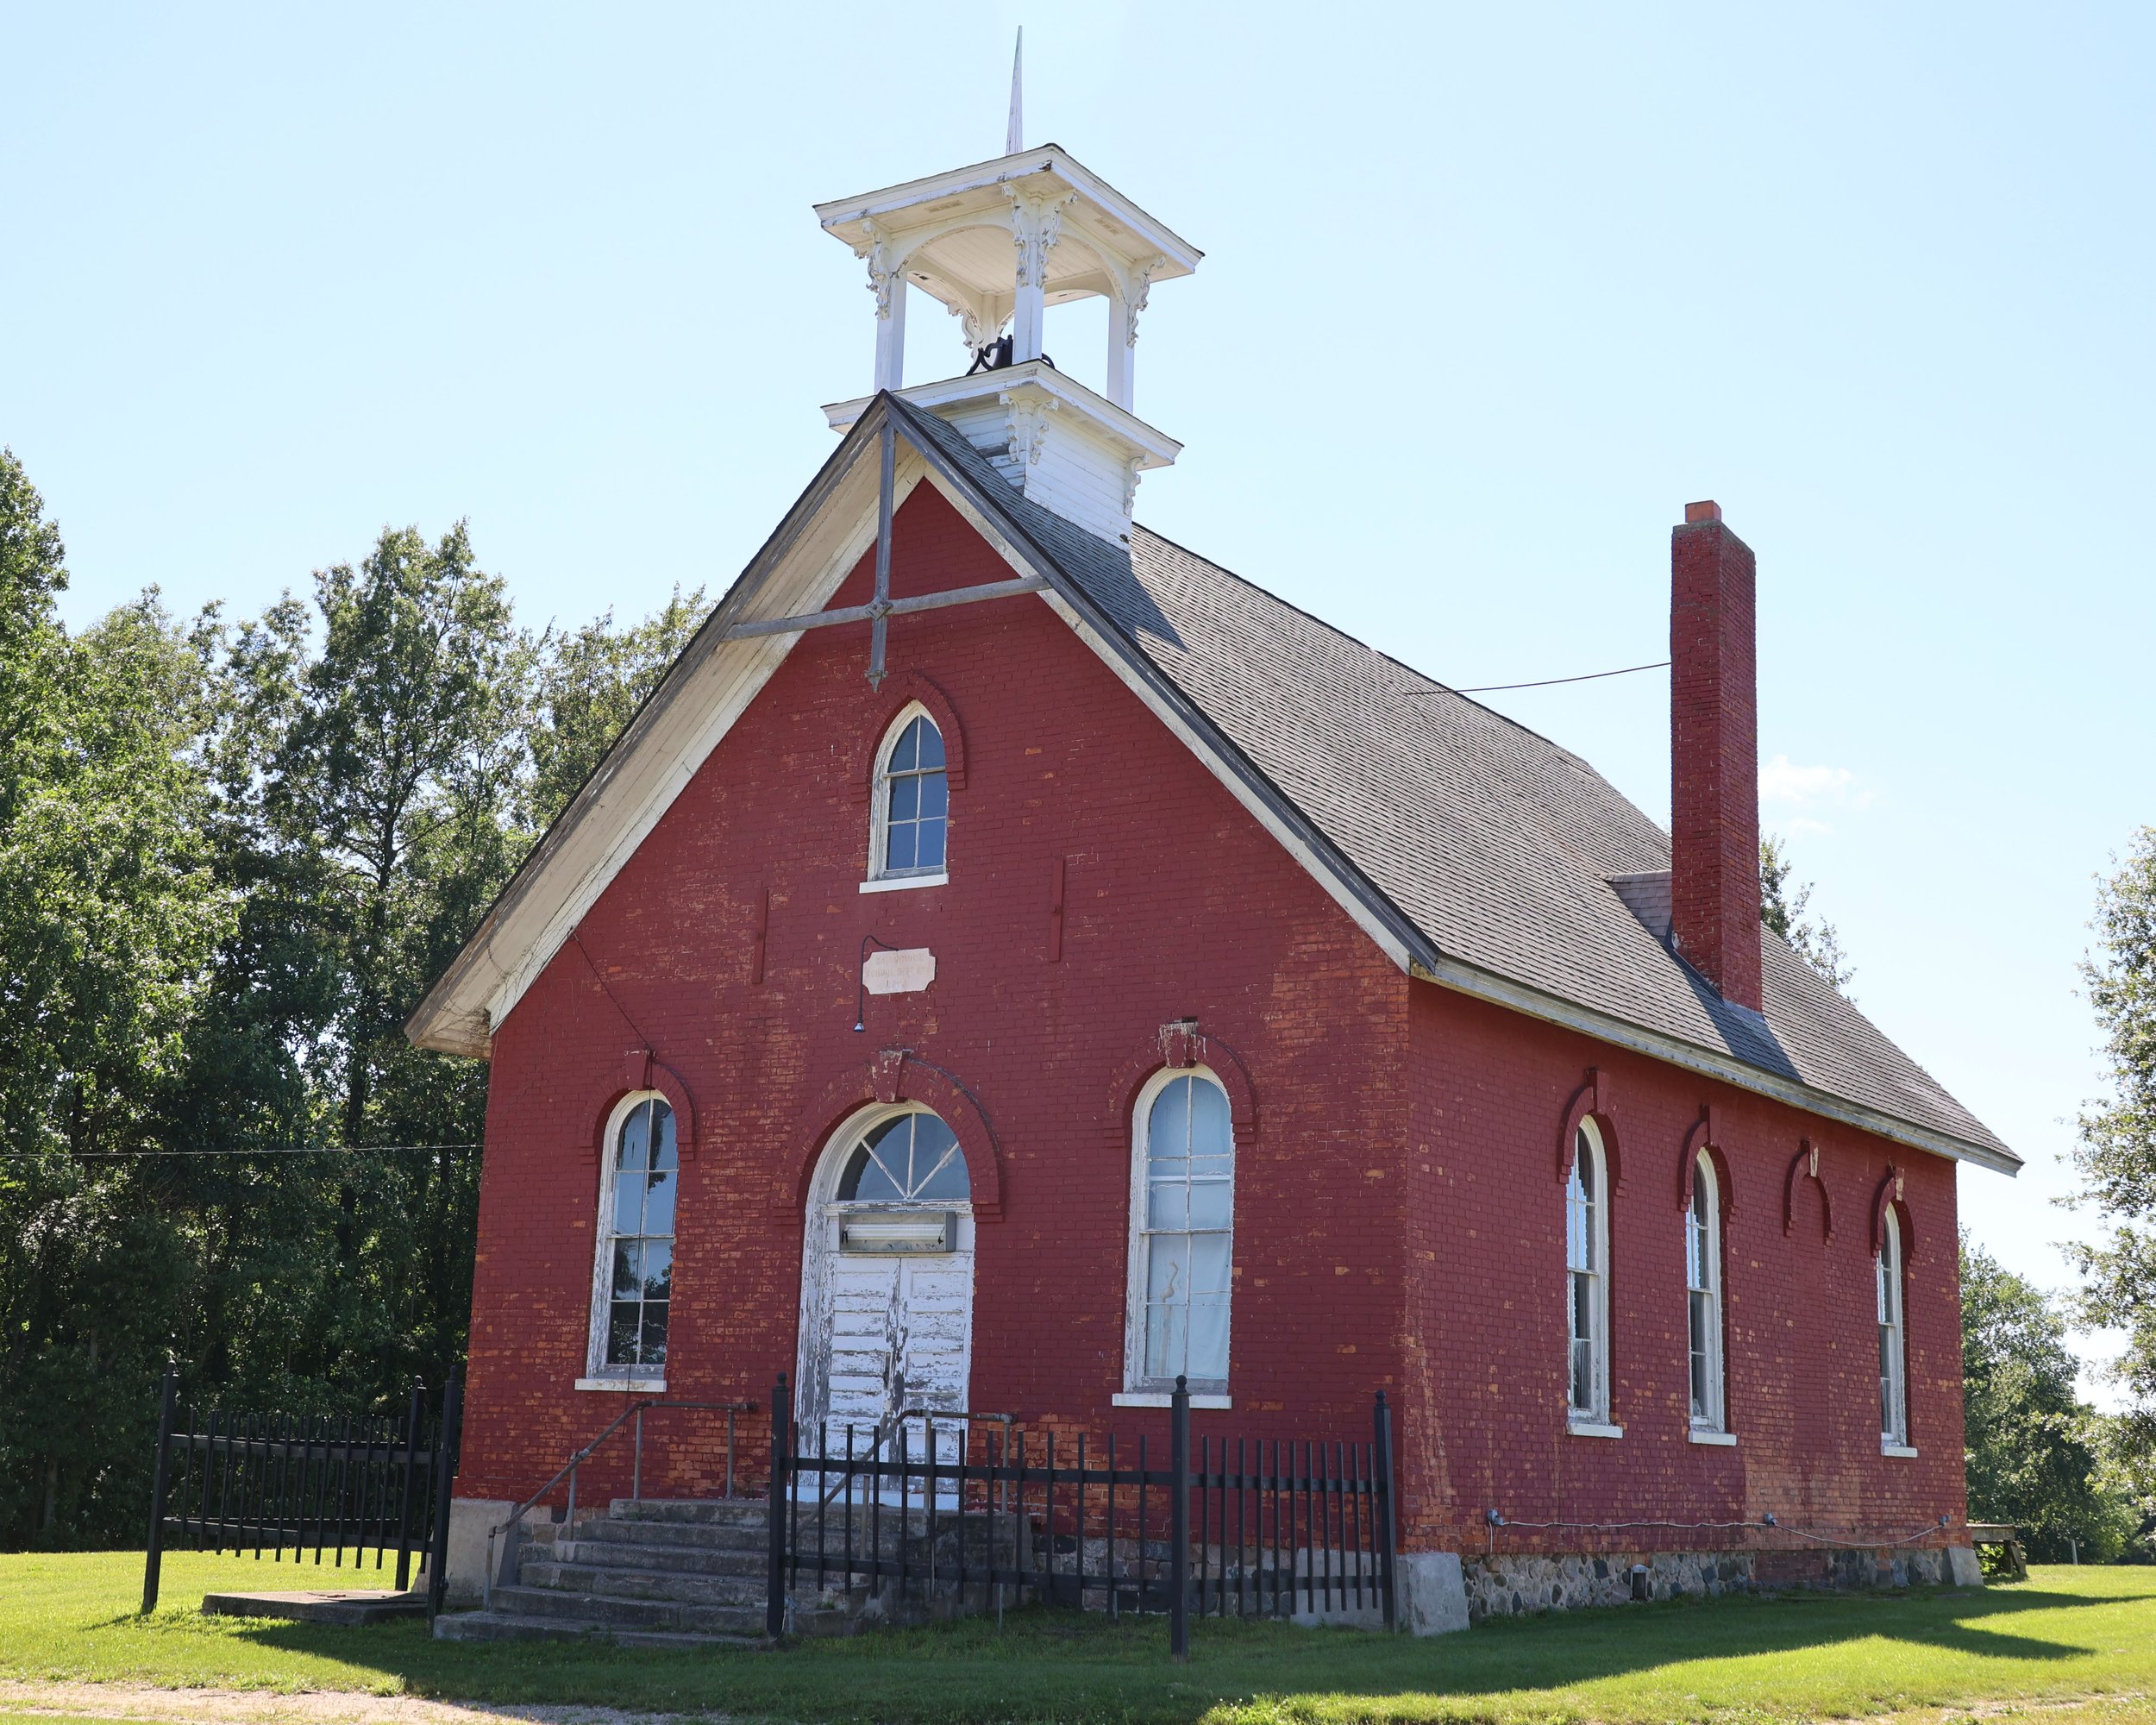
(1486, 1397)
(1176, 903)
(1398, 1213)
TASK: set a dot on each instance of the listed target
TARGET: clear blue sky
(1490, 292)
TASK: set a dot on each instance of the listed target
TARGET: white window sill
(1904, 1450)
(625, 1386)
(1724, 1440)
(1163, 1398)
(1587, 1428)
(905, 883)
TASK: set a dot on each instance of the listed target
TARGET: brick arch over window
(1178, 1046)
(896, 1074)
(901, 690)
(642, 1072)
(1705, 1133)
(1804, 1165)
(1591, 1102)
(1888, 1196)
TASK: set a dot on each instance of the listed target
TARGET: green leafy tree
(2116, 1150)
(2037, 1454)
(1784, 906)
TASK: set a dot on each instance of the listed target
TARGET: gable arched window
(1587, 1279)
(1182, 1225)
(909, 1158)
(632, 1287)
(1704, 1295)
(912, 822)
(1894, 1398)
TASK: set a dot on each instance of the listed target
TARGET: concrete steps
(648, 1573)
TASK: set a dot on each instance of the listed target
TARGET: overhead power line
(1544, 683)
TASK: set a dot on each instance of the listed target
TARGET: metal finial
(1014, 133)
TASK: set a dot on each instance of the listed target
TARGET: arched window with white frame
(632, 1286)
(1182, 1235)
(1587, 1279)
(1703, 1295)
(1894, 1395)
(911, 825)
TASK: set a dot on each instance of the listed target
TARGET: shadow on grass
(1051, 1664)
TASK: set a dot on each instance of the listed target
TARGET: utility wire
(1544, 683)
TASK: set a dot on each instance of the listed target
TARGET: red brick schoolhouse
(1012, 962)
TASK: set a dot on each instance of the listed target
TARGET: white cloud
(1782, 781)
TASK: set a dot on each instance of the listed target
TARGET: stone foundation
(1506, 1585)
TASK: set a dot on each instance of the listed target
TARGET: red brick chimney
(1714, 755)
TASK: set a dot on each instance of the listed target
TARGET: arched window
(909, 1158)
(1894, 1401)
(912, 802)
(1182, 1236)
(1587, 1279)
(634, 1285)
(1703, 1292)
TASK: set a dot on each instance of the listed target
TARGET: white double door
(887, 1340)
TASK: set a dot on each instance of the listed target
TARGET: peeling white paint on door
(882, 1335)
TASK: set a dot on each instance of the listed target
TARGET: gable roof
(1478, 853)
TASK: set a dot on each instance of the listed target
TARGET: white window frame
(1138, 1389)
(598, 1375)
(1594, 1417)
(1891, 1288)
(881, 878)
(1704, 1284)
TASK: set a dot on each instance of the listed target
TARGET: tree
(2117, 1148)
(2037, 1454)
(1782, 907)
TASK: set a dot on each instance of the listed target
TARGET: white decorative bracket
(1037, 224)
(1025, 417)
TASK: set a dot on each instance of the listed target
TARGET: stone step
(674, 1559)
(687, 1535)
(742, 1512)
(630, 1614)
(504, 1626)
(617, 1583)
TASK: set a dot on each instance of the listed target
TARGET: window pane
(659, 1205)
(1167, 1127)
(899, 853)
(653, 1341)
(1208, 1353)
(1167, 1339)
(929, 741)
(1583, 1169)
(627, 1257)
(1575, 1219)
(1212, 1203)
(1167, 1268)
(935, 796)
(1582, 1396)
(621, 1333)
(635, 1138)
(658, 1270)
(905, 800)
(1208, 1119)
(929, 852)
(907, 755)
(664, 1156)
(1168, 1205)
(1209, 1264)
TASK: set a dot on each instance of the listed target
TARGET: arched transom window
(912, 802)
(910, 1158)
(633, 1289)
(1181, 1237)
(1894, 1395)
(1704, 1295)
(1587, 1279)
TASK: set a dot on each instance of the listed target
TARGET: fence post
(781, 1465)
(161, 1476)
(445, 1445)
(1178, 1523)
(1382, 1423)
(405, 1492)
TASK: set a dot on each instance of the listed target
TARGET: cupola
(998, 243)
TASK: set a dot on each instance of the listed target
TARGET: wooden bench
(2006, 1536)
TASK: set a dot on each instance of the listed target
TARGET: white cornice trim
(1154, 448)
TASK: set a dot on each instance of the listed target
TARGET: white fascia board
(1154, 448)
(691, 711)
(1150, 234)
(1502, 991)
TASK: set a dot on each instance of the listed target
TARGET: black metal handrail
(636, 1410)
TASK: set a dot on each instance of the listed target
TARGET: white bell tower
(998, 243)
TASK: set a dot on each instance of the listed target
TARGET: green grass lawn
(2086, 1636)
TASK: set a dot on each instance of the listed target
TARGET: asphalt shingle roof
(1496, 843)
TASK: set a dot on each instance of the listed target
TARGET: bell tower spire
(998, 244)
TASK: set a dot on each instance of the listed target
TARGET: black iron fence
(929, 1508)
(276, 1482)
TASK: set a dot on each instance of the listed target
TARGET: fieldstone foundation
(1505, 1585)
